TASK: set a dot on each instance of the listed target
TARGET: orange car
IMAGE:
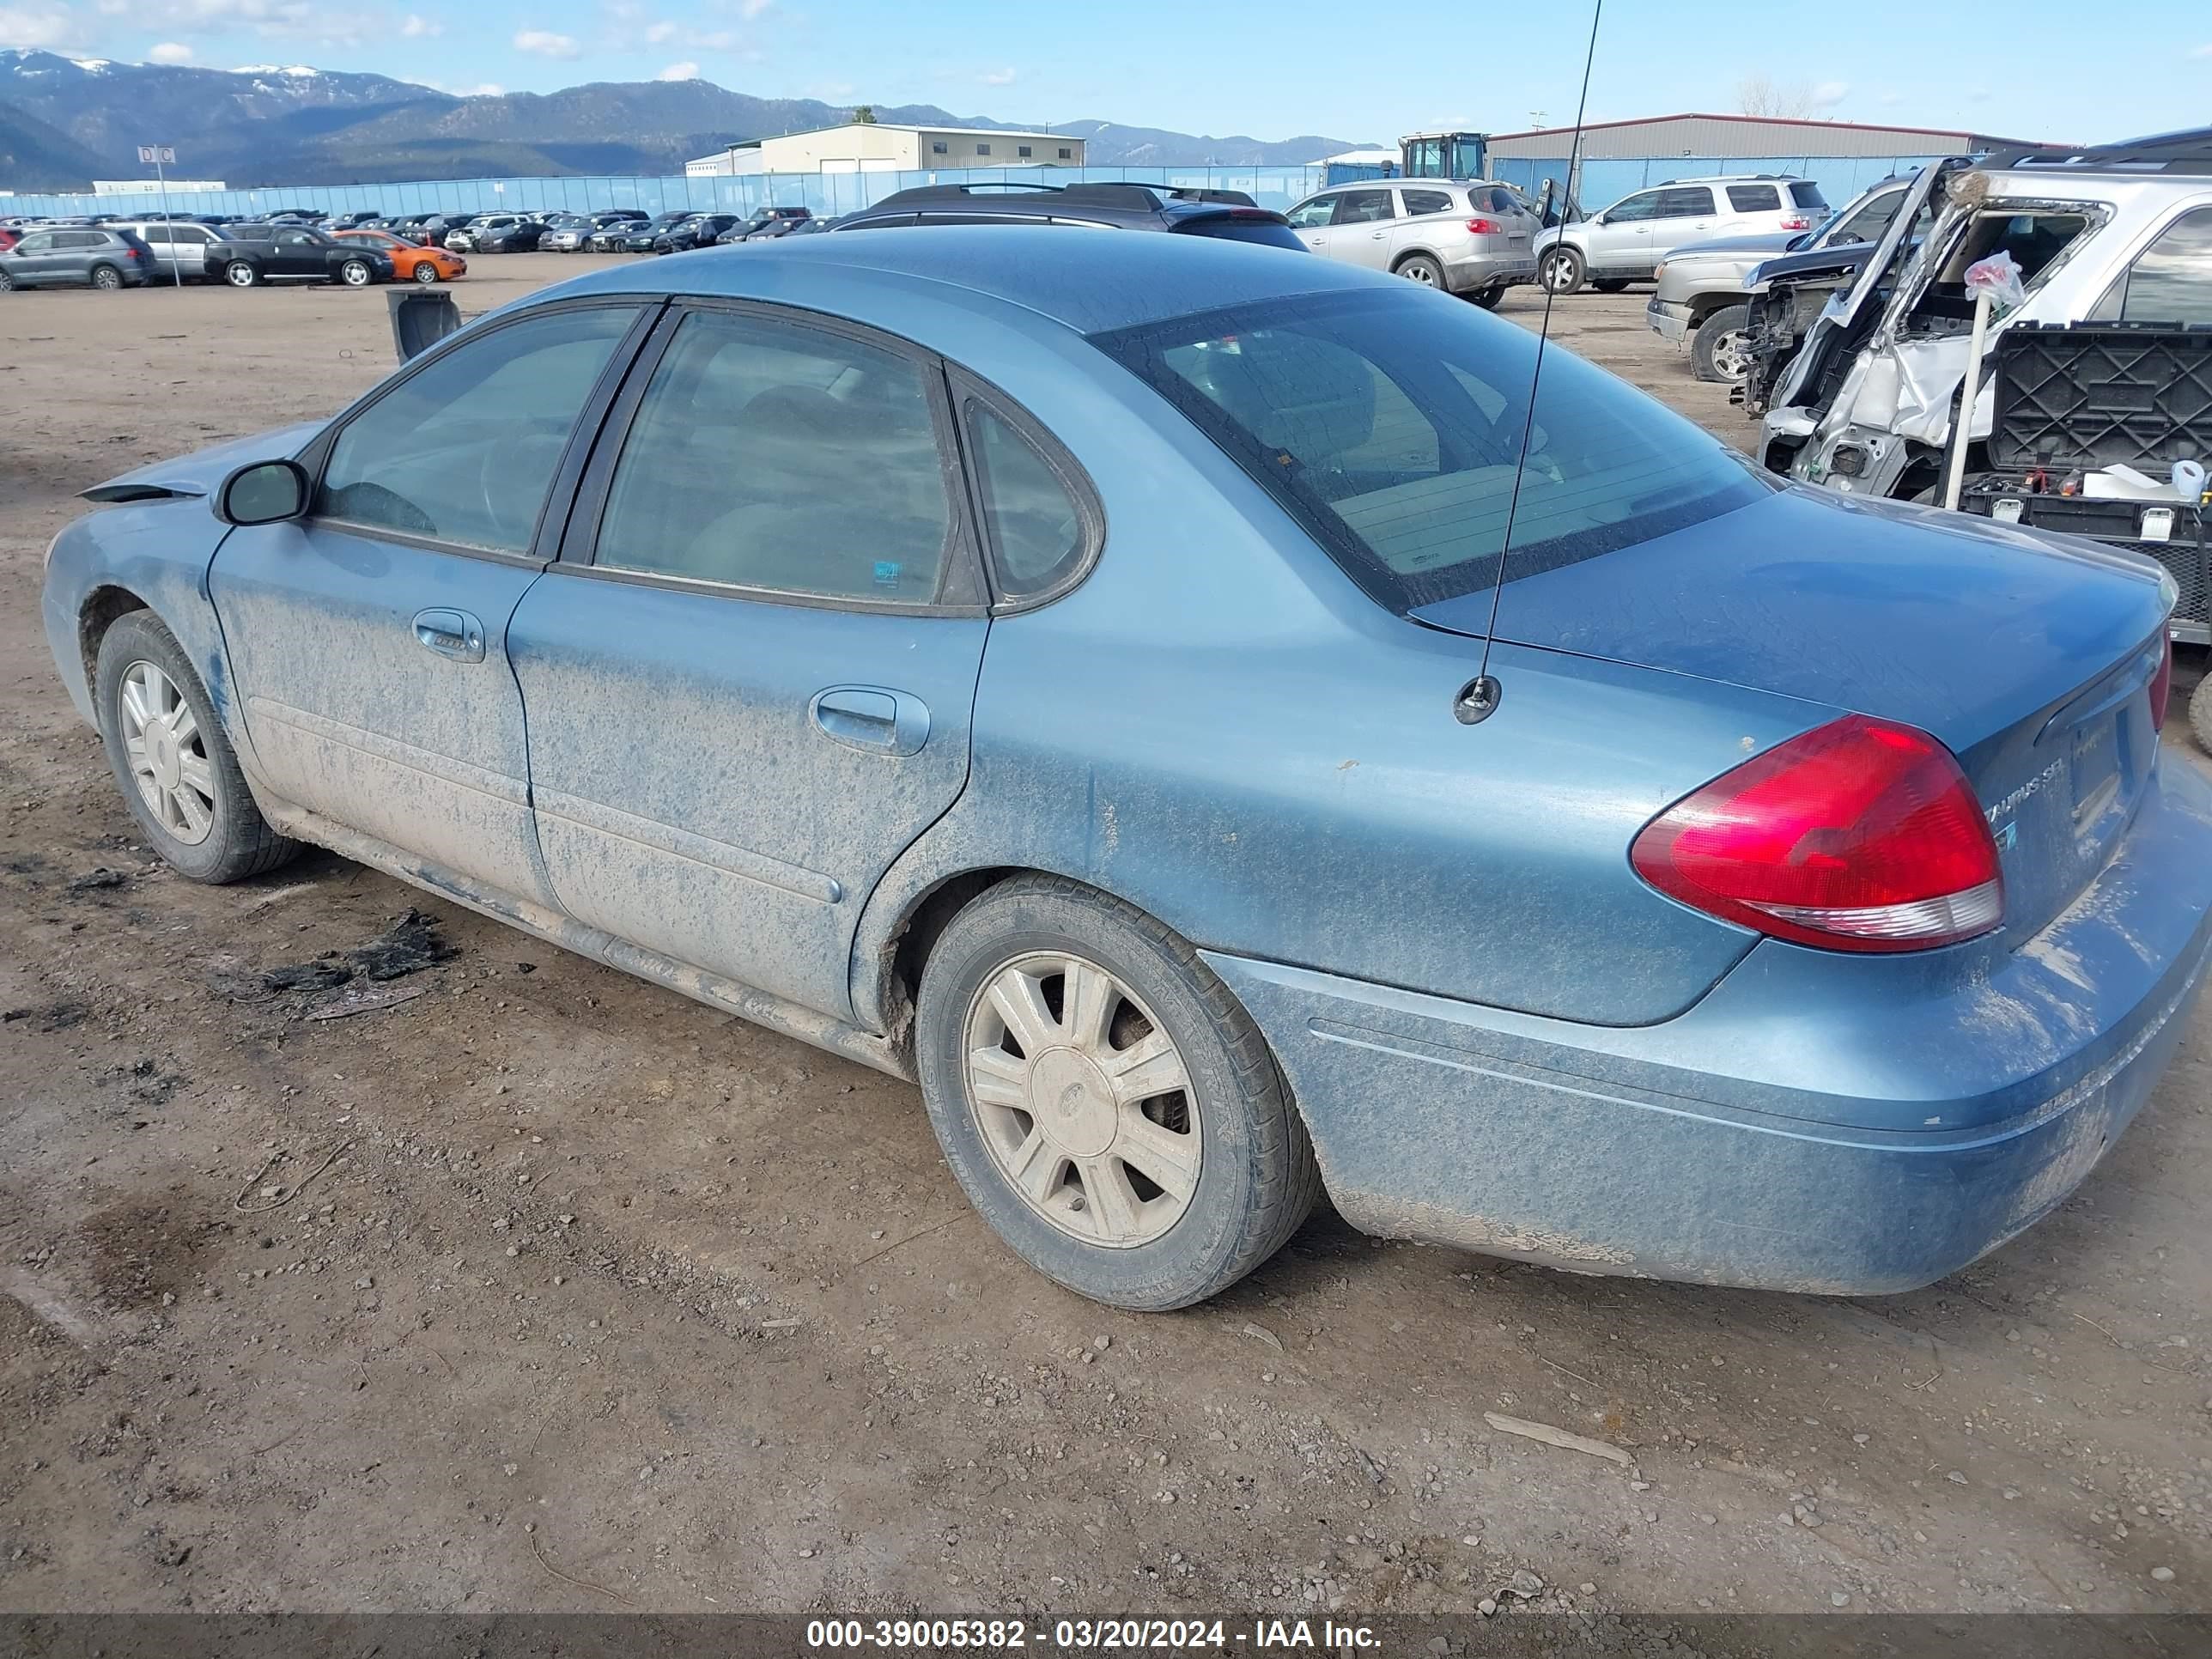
(411, 263)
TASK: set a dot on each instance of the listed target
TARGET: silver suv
(1703, 288)
(1469, 237)
(1625, 243)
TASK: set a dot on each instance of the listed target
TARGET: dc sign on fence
(163, 155)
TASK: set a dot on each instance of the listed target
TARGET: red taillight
(2161, 686)
(1484, 226)
(1859, 836)
(1795, 222)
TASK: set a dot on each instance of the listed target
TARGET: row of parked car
(118, 253)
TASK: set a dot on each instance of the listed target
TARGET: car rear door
(368, 642)
(749, 677)
(1685, 214)
(1362, 226)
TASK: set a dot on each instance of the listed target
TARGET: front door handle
(453, 634)
(871, 717)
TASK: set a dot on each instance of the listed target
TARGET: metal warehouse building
(1741, 137)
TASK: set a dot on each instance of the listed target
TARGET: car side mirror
(264, 492)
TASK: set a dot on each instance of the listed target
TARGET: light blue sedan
(1131, 685)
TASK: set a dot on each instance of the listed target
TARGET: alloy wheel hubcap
(1558, 272)
(1422, 274)
(1084, 1103)
(1729, 361)
(168, 756)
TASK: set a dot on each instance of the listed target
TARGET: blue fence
(1840, 177)
(823, 192)
(1605, 182)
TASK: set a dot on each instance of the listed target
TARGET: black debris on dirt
(409, 945)
(95, 880)
(57, 1017)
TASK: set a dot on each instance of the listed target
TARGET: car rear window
(1425, 201)
(1754, 199)
(1269, 232)
(1392, 428)
(1807, 194)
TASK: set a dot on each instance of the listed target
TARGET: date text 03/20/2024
(989, 1635)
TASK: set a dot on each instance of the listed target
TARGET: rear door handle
(453, 634)
(871, 717)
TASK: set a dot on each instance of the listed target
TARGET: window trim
(962, 590)
(582, 437)
(970, 392)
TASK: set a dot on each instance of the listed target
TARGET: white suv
(1625, 243)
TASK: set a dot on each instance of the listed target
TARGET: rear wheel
(1488, 298)
(1560, 271)
(2200, 714)
(239, 274)
(1420, 267)
(426, 273)
(355, 273)
(1716, 351)
(106, 278)
(1109, 1107)
(177, 771)
(1610, 284)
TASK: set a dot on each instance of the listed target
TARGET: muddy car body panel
(1499, 1033)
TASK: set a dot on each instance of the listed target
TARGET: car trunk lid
(2029, 656)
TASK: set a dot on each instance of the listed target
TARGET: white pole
(1969, 390)
(162, 178)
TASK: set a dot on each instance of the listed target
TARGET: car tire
(1488, 298)
(426, 273)
(6, 283)
(2200, 714)
(1610, 284)
(239, 274)
(355, 273)
(142, 676)
(106, 278)
(1421, 268)
(1716, 351)
(1088, 1213)
(1561, 270)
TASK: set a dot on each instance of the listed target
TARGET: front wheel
(1420, 267)
(6, 283)
(1106, 1103)
(1560, 271)
(106, 278)
(176, 769)
(355, 273)
(1716, 351)
(1611, 284)
(239, 274)
(426, 273)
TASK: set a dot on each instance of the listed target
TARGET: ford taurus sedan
(1140, 693)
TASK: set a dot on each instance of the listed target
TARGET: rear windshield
(1807, 194)
(1268, 233)
(1391, 425)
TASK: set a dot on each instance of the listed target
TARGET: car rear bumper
(1772, 1136)
(1498, 269)
(1667, 319)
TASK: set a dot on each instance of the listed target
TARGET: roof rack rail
(2185, 152)
(962, 193)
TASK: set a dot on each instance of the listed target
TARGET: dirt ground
(546, 1289)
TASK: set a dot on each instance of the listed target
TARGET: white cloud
(749, 9)
(33, 26)
(170, 52)
(1829, 94)
(418, 27)
(298, 20)
(679, 72)
(999, 77)
(543, 43)
(660, 33)
(1890, 100)
(2201, 52)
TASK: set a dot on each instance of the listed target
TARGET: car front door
(1310, 217)
(367, 641)
(1616, 238)
(297, 253)
(31, 260)
(1362, 225)
(750, 675)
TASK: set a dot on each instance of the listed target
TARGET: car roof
(1090, 284)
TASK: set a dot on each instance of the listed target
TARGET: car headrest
(1308, 397)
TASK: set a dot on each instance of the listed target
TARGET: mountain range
(65, 120)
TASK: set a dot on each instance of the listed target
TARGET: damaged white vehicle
(1856, 365)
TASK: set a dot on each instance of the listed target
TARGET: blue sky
(1289, 66)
